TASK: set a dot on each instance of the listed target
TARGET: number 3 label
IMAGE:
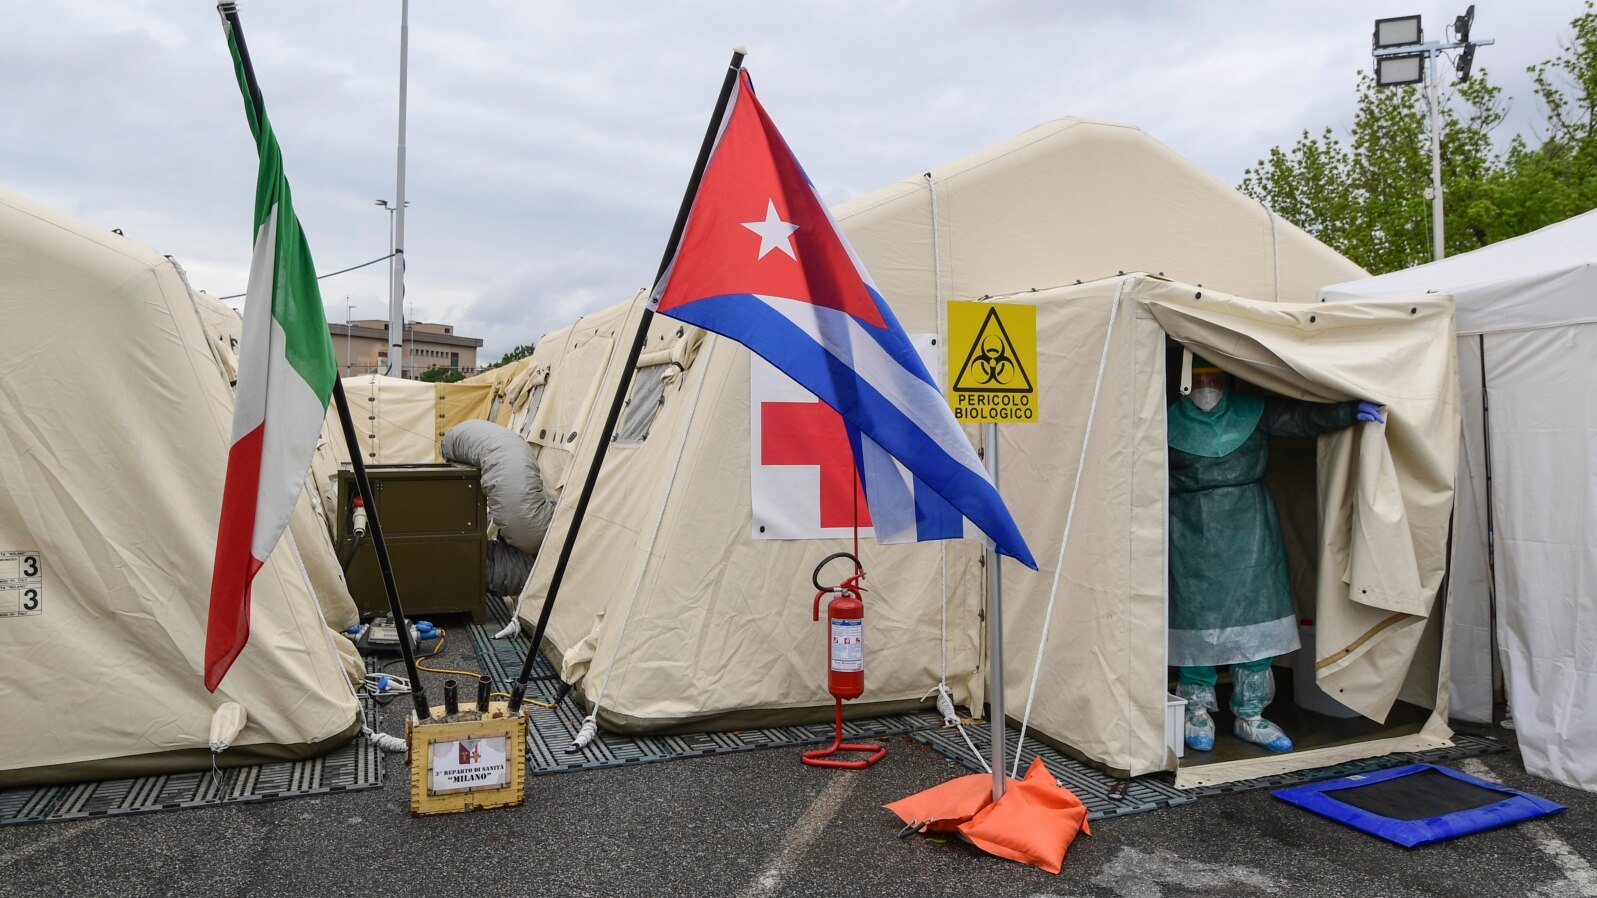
(21, 583)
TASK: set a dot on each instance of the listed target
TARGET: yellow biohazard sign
(992, 362)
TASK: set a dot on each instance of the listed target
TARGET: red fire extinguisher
(845, 675)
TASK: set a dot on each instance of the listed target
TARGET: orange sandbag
(943, 808)
(1034, 823)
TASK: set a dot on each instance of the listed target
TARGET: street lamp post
(391, 209)
(1400, 58)
(349, 337)
(396, 261)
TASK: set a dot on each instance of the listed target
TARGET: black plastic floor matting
(1104, 795)
(1418, 796)
(358, 765)
(553, 729)
(1107, 796)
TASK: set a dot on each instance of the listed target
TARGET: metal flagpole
(396, 264)
(995, 633)
(229, 13)
(518, 690)
(423, 710)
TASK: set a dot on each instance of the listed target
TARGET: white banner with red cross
(802, 478)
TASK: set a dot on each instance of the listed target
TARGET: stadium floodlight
(1391, 71)
(1461, 25)
(1401, 57)
(1400, 31)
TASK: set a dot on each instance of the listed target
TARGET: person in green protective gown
(1230, 599)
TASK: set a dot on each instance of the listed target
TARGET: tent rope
(589, 724)
(1070, 516)
(942, 545)
(945, 698)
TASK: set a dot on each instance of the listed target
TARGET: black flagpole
(518, 690)
(229, 13)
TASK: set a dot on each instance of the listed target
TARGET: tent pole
(518, 689)
(1499, 688)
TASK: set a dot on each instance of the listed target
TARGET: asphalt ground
(762, 824)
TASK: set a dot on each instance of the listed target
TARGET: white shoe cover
(1262, 732)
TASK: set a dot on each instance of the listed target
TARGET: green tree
(1367, 197)
(520, 352)
(440, 375)
(1558, 178)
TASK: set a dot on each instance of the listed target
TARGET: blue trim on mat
(1515, 807)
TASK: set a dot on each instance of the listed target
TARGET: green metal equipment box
(435, 524)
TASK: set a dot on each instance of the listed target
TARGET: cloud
(548, 144)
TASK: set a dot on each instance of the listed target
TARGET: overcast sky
(549, 142)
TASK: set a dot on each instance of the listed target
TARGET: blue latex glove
(1369, 411)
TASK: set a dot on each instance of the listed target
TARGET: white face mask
(1206, 398)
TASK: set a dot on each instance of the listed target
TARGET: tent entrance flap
(1384, 491)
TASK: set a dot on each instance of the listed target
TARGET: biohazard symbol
(992, 365)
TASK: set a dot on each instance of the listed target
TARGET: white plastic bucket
(1175, 724)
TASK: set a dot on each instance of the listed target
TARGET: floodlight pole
(1438, 249)
(1434, 97)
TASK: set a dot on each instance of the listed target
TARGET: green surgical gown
(1230, 599)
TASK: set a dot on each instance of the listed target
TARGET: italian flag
(286, 375)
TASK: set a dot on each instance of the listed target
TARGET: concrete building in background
(362, 347)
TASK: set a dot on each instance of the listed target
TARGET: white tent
(672, 618)
(115, 419)
(1525, 532)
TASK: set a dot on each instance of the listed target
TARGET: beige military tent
(397, 421)
(115, 421)
(672, 617)
(1366, 513)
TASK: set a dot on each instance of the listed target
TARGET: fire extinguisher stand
(995, 632)
(846, 605)
(848, 598)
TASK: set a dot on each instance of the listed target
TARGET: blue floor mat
(1418, 804)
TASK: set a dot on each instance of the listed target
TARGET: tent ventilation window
(533, 401)
(643, 403)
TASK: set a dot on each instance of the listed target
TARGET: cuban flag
(761, 262)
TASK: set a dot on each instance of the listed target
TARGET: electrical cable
(474, 674)
(322, 277)
(354, 546)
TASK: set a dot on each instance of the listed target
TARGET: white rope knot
(384, 741)
(511, 629)
(590, 728)
(945, 703)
